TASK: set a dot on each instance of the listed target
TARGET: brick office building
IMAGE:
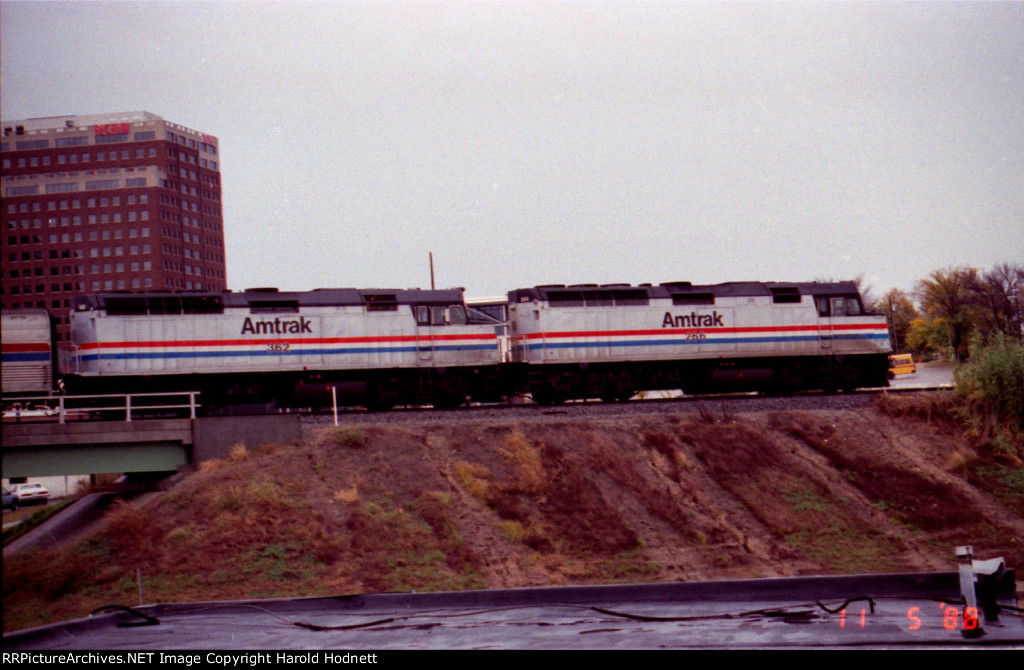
(104, 202)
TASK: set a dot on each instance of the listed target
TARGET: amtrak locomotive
(609, 342)
(376, 347)
(382, 347)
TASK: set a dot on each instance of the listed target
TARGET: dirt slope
(506, 505)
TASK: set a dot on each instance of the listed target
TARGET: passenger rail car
(27, 337)
(376, 347)
(611, 341)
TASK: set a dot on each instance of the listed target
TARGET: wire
(146, 619)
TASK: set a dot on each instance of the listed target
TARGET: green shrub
(995, 378)
(992, 385)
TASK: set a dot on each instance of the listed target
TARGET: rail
(87, 407)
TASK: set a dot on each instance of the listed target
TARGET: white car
(27, 493)
(39, 411)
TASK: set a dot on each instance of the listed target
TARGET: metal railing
(92, 407)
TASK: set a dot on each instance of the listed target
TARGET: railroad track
(715, 404)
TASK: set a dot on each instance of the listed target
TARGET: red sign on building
(111, 129)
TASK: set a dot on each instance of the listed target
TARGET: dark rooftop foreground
(875, 611)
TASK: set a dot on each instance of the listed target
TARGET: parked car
(26, 493)
(10, 502)
(18, 412)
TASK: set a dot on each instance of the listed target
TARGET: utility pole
(892, 327)
(431, 270)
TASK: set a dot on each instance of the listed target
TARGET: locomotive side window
(435, 315)
(422, 315)
(848, 306)
(457, 315)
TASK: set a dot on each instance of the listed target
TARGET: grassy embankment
(684, 497)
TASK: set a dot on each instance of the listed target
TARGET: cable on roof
(147, 620)
(846, 602)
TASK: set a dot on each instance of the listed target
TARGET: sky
(530, 143)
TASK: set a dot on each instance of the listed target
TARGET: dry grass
(526, 461)
(914, 498)
(474, 478)
(348, 496)
(211, 465)
(350, 437)
(943, 409)
(683, 497)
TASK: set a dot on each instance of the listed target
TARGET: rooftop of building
(79, 122)
(873, 611)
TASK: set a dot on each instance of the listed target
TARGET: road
(925, 377)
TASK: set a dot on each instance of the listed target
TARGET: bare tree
(997, 294)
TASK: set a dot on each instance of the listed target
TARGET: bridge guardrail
(87, 407)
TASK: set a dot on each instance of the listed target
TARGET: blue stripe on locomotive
(29, 357)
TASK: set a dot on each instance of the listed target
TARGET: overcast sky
(564, 142)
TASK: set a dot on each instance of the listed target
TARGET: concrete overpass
(155, 445)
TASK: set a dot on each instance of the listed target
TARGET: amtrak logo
(277, 326)
(692, 320)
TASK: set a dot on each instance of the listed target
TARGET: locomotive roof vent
(677, 284)
(262, 289)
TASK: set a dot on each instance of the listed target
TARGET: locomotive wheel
(381, 395)
(547, 395)
(617, 389)
(450, 392)
(790, 379)
(849, 377)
